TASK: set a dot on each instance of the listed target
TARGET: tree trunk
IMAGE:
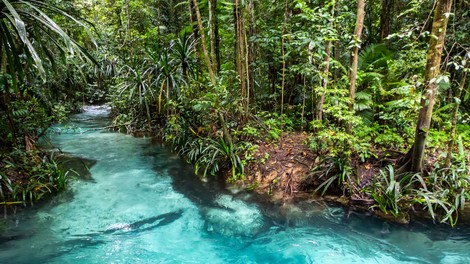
(337, 49)
(302, 116)
(247, 72)
(455, 111)
(326, 73)
(386, 18)
(214, 35)
(192, 15)
(283, 52)
(251, 49)
(326, 68)
(436, 45)
(203, 43)
(354, 57)
(241, 54)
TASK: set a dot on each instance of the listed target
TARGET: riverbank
(27, 177)
(31, 175)
(287, 170)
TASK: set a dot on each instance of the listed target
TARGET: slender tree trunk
(354, 57)
(455, 111)
(251, 49)
(326, 69)
(203, 43)
(241, 54)
(337, 50)
(159, 19)
(192, 15)
(304, 97)
(386, 18)
(247, 72)
(283, 52)
(326, 73)
(213, 28)
(127, 38)
(216, 36)
(436, 46)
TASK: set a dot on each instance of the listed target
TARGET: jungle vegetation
(378, 84)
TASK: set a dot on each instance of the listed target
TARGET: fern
(375, 56)
(20, 113)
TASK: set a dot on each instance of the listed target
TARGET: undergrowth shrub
(26, 177)
(442, 193)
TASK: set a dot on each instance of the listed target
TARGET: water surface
(144, 205)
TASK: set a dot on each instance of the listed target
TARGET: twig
(303, 163)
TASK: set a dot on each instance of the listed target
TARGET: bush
(25, 178)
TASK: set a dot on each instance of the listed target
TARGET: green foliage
(390, 139)
(275, 124)
(363, 143)
(375, 57)
(463, 130)
(390, 193)
(26, 27)
(333, 142)
(445, 192)
(137, 86)
(25, 178)
(337, 172)
(26, 117)
(437, 139)
(248, 149)
(207, 153)
(250, 133)
(442, 193)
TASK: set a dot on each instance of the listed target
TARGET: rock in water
(233, 217)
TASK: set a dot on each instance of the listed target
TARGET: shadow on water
(224, 212)
(184, 181)
(59, 248)
(146, 224)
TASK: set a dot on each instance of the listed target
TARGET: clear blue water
(146, 206)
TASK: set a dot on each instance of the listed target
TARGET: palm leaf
(19, 26)
(27, 28)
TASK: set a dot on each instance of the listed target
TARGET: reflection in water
(146, 206)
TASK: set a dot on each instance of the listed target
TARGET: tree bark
(455, 111)
(326, 73)
(241, 54)
(203, 43)
(436, 46)
(326, 68)
(214, 35)
(337, 46)
(386, 18)
(354, 57)
(251, 49)
(283, 52)
(192, 15)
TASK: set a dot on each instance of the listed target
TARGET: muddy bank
(282, 172)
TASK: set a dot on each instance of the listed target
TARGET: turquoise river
(144, 205)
